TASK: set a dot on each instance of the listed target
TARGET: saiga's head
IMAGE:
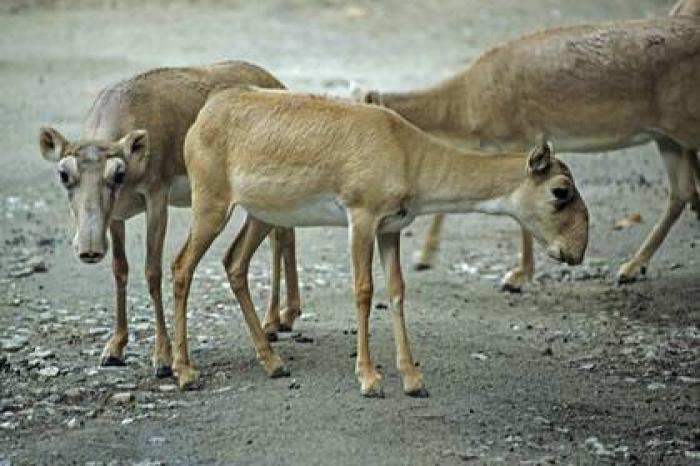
(93, 173)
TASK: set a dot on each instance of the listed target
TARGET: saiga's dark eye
(63, 175)
(561, 194)
(118, 177)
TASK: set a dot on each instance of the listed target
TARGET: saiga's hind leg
(424, 257)
(680, 166)
(282, 244)
(236, 262)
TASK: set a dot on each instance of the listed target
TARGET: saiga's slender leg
(424, 257)
(156, 224)
(113, 354)
(292, 309)
(271, 323)
(680, 168)
(207, 222)
(516, 278)
(362, 228)
(391, 262)
(236, 262)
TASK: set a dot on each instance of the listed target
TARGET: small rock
(294, 385)
(479, 356)
(126, 421)
(97, 331)
(688, 380)
(74, 423)
(167, 388)
(157, 440)
(14, 344)
(37, 264)
(51, 371)
(301, 339)
(693, 454)
(656, 386)
(122, 397)
(73, 393)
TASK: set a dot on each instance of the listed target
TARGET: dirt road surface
(572, 371)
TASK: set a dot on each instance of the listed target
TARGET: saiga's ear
(540, 158)
(51, 144)
(135, 145)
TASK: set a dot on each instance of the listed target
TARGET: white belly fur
(180, 195)
(323, 211)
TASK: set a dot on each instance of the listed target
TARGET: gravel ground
(572, 371)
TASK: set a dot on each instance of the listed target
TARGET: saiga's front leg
(425, 256)
(156, 224)
(391, 262)
(519, 276)
(362, 228)
(113, 354)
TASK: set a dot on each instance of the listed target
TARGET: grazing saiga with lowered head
(586, 88)
(128, 161)
(294, 160)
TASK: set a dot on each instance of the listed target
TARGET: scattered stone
(37, 264)
(122, 398)
(301, 339)
(692, 454)
(656, 386)
(14, 344)
(73, 393)
(597, 447)
(688, 380)
(157, 440)
(126, 421)
(74, 423)
(479, 356)
(97, 331)
(125, 386)
(51, 371)
(294, 385)
(167, 388)
(587, 367)
(42, 354)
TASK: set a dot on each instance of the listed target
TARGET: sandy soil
(572, 371)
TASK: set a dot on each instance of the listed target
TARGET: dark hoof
(271, 336)
(374, 394)
(420, 266)
(285, 328)
(280, 372)
(112, 361)
(419, 393)
(508, 288)
(163, 372)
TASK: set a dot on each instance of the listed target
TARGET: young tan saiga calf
(296, 160)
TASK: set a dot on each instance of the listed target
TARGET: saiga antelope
(128, 161)
(294, 160)
(586, 88)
